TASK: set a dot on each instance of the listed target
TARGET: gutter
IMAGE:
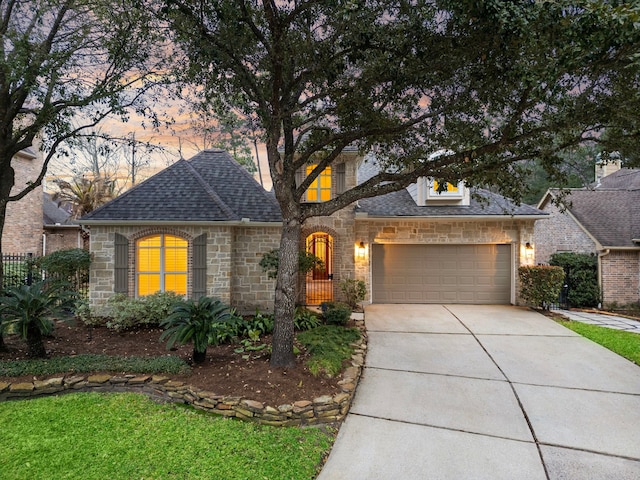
(366, 216)
(245, 222)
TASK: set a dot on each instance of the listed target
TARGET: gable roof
(210, 187)
(483, 203)
(623, 179)
(611, 217)
(54, 214)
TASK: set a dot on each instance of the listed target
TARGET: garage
(472, 274)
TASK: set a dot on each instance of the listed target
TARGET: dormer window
(450, 191)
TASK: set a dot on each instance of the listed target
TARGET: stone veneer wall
(560, 233)
(516, 232)
(324, 409)
(620, 272)
(227, 249)
(23, 223)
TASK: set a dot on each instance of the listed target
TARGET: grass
(127, 436)
(87, 363)
(329, 346)
(626, 344)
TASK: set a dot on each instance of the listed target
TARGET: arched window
(161, 264)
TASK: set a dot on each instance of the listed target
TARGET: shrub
(305, 319)
(581, 275)
(28, 310)
(125, 313)
(541, 285)
(336, 313)
(196, 321)
(306, 262)
(70, 266)
(329, 346)
(354, 291)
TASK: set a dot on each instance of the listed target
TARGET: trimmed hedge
(581, 271)
(541, 285)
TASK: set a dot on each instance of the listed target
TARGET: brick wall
(559, 233)
(63, 239)
(23, 223)
(620, 273)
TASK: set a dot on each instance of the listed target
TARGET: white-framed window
(161, 264)
(320, 188)
(450, 191)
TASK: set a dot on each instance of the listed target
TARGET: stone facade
(230, 250)
(620, 273)
(23, 223)
(560, 233)
(428, 231)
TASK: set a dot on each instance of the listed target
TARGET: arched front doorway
(319, 281)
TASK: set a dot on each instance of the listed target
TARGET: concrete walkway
(602, 320)
(487, 392)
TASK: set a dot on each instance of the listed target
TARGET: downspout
(44, 244)
(602, 253)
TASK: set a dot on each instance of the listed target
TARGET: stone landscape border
(320, 410)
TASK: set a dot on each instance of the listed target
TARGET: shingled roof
(612, 217)
(210, 187)
(623, 179)
(482, 203)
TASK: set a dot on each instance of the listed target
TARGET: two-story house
(201, 227)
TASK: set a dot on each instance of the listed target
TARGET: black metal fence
(23, 269)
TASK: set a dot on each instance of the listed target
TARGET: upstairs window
(161, 264)
(450, 191)
(320, 188)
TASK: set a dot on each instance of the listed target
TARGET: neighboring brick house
(603, 220)
(60, 231)
(23, 222)
(202, 226)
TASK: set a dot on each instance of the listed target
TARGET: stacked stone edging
(324, 409)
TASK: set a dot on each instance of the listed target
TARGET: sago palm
(28, 311)
(195, 321)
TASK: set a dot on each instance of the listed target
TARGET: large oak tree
(65, 65)
(490, 83)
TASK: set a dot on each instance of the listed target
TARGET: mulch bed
(224, 372)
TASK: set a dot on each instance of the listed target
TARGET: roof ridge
(214, 196)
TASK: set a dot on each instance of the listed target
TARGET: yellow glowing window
(320, 188)
(161, 264)
(452, 190)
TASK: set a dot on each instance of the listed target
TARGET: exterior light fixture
(361, 251)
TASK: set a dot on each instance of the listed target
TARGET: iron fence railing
(23, 269)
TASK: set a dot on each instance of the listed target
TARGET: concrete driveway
(487, 392)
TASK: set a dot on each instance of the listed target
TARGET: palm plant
(28, 311)
(196, 321)
(85, 194)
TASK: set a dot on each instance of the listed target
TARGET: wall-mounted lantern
(529, 252)
(361, 251)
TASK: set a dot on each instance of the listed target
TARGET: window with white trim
(161, 264)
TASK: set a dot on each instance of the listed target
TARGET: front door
(319, 282)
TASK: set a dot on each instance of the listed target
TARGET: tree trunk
(286, 294)
(199, 357)
(35, 344)
(7, 178)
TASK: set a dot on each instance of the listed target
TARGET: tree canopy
(491, 83)
(65, 65)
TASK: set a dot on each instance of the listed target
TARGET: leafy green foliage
(354, 290)
(305, 319)
(88, 363)
(196, 321)
(581, 274)
(70, 266)
(541, 285)
(124, 312)
(329, 346)
(29, 310)
(127, 436)
(306, 262)
(626, 344)
(336, 313)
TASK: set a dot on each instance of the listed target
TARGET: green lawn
(626, 344)
(127, 436)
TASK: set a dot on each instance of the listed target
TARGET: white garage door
(441, 274)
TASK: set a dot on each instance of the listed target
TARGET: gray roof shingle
(483, 203)
(623, 179)
(210, 187)
(611, 216)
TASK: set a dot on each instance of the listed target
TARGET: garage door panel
(441, 273)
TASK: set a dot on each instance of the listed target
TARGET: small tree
(354, 291)
(541, 285)
(28, 311)
(195, 321)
